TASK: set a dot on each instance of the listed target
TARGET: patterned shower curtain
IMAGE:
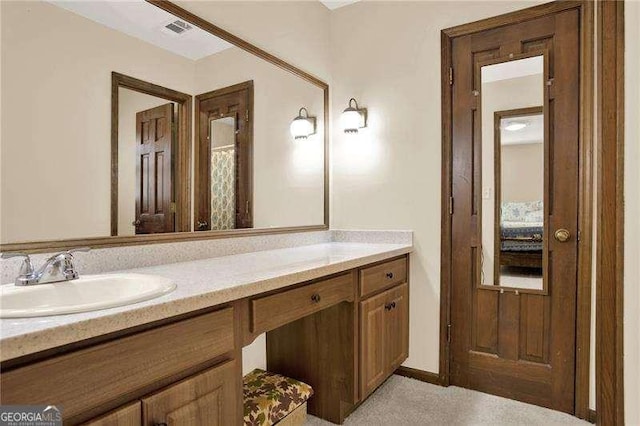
(223, 185)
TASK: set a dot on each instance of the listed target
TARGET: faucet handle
(26, 268)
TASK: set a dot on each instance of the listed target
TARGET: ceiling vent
(177, 27)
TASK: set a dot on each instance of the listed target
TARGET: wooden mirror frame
(118, 241)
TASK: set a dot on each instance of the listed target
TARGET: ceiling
(532, 133)
(146, 22)
(512, 69)
(335, 4)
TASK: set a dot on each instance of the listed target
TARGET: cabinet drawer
(271, 312)
(382, 276)
(208, 398)
(88, 378)
(130, 415)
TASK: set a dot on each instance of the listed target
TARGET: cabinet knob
(390, 275)
(390, 306)
(315, 297)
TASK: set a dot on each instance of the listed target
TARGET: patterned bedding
(521, 226)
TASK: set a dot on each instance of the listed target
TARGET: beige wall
(632, 216)
(130, 103)
(522, 172)
(387, 55)
(56, 75)
(288, 175)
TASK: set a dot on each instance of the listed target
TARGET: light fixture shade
(353, 118)
(514, 126)
(303, 126)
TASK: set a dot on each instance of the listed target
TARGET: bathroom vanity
(336, 317)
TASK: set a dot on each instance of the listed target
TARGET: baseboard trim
(423, 376)
(592, 416)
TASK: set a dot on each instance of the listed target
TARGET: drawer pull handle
(315, 297)
(390, 275)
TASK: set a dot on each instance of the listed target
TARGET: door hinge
(448, 333)
(246, 115)
(173, 207)
(450, 76)
(450, 205)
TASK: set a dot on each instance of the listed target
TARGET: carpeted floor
(402, 402)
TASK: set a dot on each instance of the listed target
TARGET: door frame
(182, 161)
(199, 179)
(585, 198)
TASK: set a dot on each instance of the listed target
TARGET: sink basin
(87, 293)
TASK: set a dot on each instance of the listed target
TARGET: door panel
(154, 171)
(518, 343)
(372, 360)
(206, 398)
(396, 327)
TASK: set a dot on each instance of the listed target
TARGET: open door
(154, 170)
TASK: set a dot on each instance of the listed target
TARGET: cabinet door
(129, 415)
(209, 398)
(372, 358)
(396, 327)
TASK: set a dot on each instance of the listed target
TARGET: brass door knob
(562, 235)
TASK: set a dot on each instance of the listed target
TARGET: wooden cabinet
(129, 415)
(384, 336)
(208, 398)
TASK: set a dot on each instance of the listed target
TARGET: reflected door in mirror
(223, 190)
(154, 170)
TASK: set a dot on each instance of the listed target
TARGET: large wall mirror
(132, 122)
(514, 175)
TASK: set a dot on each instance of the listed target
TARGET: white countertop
(200, 284)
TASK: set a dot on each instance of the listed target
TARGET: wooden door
(517, 344)
(235, 102)
(209, 398)
(154, 170)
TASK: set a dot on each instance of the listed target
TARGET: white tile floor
(401, 401)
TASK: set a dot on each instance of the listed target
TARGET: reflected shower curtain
(223, 185)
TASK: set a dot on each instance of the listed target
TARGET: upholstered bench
(271, 398)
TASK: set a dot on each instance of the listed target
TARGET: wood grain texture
(129, 415)
(423, 376)
(208, 398)
(384, 336)
(382, 276)
(321, 350)
(270, 312)
(516, 34)
(610, 213)
(91, 377)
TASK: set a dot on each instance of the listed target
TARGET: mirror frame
(119, 241)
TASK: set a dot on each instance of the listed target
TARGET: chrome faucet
(58, 267)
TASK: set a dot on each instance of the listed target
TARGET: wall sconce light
(303, 126)
(353, 118)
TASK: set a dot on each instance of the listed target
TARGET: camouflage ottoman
(271, 398)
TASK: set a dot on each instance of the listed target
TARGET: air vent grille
(178, 27)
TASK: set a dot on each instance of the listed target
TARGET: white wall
(632, 215)
(130, 103)
(56, 77)
(387, 55)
